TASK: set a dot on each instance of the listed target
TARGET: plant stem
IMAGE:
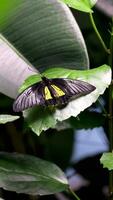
(110, 60)
(98, 34)
(110, 123)
(73, 193)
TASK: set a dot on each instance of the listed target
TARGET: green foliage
(99, 77)
(107, 160)
(43, 34)
(42, 31)
(30, 81)
(7, 118)
(39, 119)
(6, 10)
(82, 5)
(30, 175)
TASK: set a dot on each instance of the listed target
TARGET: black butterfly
(56, 91)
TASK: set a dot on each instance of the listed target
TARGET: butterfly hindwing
(57, 91)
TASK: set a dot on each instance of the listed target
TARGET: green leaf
(7, 118)
(30, 175)
(99, 77)
(29, 81)
(107, 160)
(39, 119)
(46, 34)
(82, 5)
(6, 9)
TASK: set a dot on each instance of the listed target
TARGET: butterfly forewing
(74, 88)
(30, 97)
(57, 91)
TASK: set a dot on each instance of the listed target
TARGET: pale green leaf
(7, 118)
(82, 5)
(107, 160)
(99, 77)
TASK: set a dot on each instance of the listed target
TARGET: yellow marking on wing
(47, 93)
(58, 91)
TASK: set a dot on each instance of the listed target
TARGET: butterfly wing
(62, 90)
(73, 88)
(30, 97)
(55, 91)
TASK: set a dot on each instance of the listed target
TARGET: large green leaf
(82, 5)
(46, 33)
(107, 160)
(6, 9)
(7, 118)
(99, 77)
(30, 175)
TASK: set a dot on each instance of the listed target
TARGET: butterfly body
(56, 92)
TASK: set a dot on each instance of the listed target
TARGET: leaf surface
(107, 160)
(82, 5)
(46, 34)
(30, 175)
(7, 118)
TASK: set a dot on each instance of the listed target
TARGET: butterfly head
(45, 80)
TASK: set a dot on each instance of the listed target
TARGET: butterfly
(51, 92)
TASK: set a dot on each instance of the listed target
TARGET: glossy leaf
(99, 77)
(107, 160)
(30, 175)
(82, 5)
(7, 118)
(46, 33)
